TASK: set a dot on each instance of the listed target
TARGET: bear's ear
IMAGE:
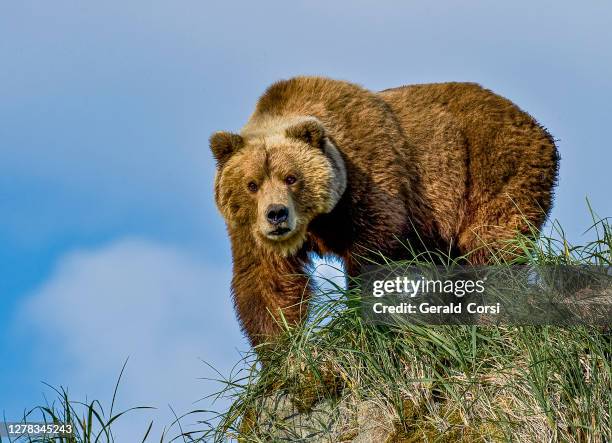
(310, 131)
(224, 144)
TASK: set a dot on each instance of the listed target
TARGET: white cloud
(328, 274)
(155, 304)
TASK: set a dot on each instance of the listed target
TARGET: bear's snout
(277, 214)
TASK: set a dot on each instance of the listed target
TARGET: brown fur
(448, 166)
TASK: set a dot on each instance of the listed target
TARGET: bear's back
(473, 145)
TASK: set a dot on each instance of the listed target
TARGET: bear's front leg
(265, 286)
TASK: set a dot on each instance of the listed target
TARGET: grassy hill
(341, 379)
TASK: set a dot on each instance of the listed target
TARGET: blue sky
(110, 244)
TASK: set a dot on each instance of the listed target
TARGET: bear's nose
(277, 214)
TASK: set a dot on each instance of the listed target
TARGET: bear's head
(273, 180)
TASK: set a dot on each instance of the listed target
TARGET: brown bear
(327, 167)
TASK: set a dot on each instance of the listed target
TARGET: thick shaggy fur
(448, 166)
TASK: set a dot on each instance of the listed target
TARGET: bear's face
(274, 184)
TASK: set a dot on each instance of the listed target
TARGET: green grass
(326, 378)
(429, 383)
(89, 421)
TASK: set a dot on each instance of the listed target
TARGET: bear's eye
(252, 186)
(290, 179)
